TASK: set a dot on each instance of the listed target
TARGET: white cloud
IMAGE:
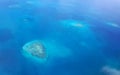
(110, 71)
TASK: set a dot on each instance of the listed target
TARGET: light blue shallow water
(80, 37)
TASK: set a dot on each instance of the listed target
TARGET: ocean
(74, 37)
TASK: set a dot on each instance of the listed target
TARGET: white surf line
(73, 23)
(113, 24)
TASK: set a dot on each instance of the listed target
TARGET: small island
(35, 49)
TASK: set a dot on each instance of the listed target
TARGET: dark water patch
(112, 52)
(5, 35)
(109, 37)
(87, 65)
(10, 61)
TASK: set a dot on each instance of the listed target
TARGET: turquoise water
(80, 37)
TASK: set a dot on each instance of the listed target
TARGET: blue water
(81, 36)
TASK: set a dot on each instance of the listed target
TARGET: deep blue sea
(81, 37)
